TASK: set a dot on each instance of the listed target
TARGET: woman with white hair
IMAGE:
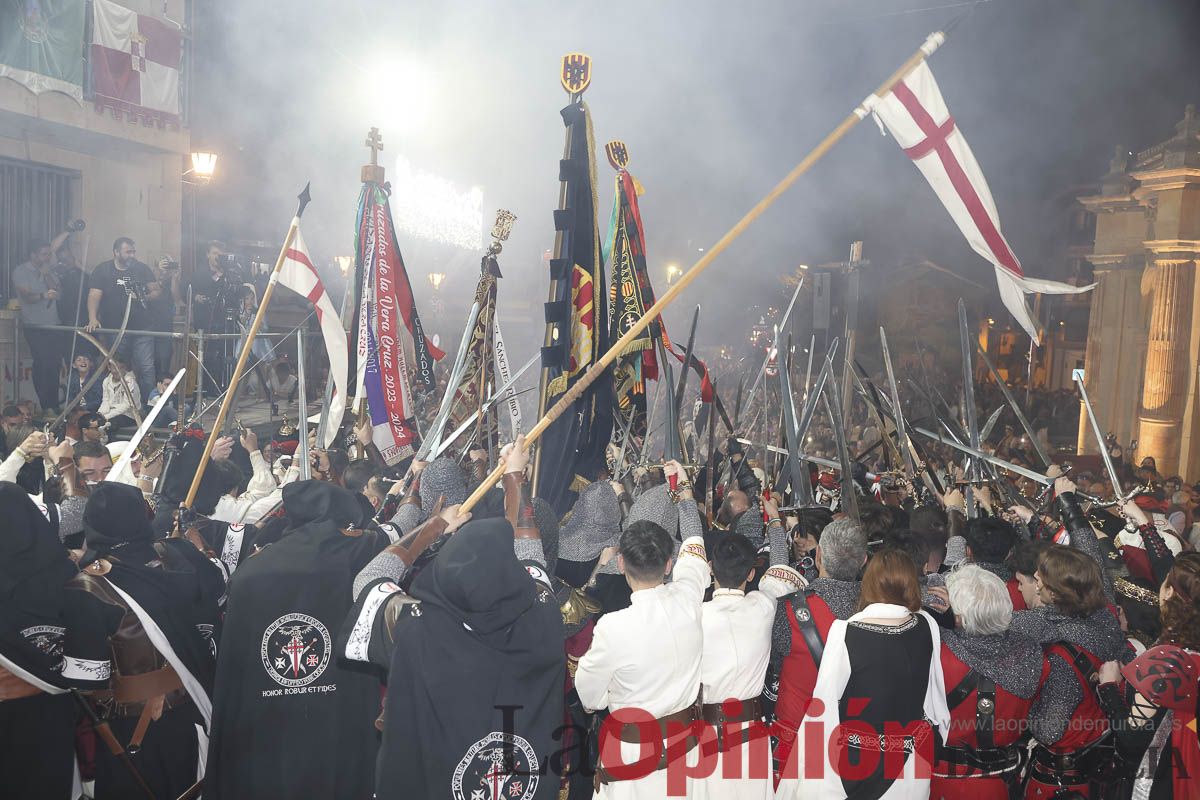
(992, 676)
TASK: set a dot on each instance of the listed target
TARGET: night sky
(715, 101)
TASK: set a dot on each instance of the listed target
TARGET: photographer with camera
(111, 283)
(217, 300)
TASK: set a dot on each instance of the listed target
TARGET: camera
(76, 225)
(133, 288)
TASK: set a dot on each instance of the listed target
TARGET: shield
(618, 155)
(576, 73)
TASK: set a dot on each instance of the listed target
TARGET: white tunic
(647, 657)
(737, 647)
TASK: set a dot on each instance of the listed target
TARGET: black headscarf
(174, 583)
(487, 636)
(320, 503)
(117, 517)
(477, 581)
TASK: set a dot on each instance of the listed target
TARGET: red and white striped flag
(299, 275)
(916, 115)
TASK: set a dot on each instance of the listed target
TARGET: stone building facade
(1143, 349)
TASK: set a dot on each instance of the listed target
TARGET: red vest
(798, 674)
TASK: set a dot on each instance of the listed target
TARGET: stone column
(1166, 378)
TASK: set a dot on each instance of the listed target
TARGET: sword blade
(964, 335)
(147, 423)
(1118, 489)
(1012, 403)
(795, 475)
(435, 432)
(762, 370)
(302, 401)
(687, 364)
(990, 424)
(897, 411)
(990, 459)
(833, 405)
(496, 397)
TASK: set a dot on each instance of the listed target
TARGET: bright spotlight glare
(406, 107)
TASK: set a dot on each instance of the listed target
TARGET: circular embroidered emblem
(296, 650)
(803, 614)
(497, 766)
(48, 639)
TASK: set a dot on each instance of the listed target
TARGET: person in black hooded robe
(37, 716)
(139, 618)
(290, 719)
(475, 663)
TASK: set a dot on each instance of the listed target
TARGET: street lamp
(435, 279)
(204, 166)
(345, 264)
(673, 273)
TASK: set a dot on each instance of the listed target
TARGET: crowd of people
(358, 634)
(52, 288)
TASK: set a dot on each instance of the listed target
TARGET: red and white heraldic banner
(135, 64)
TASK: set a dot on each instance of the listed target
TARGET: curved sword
(108, 354)
(83, 390)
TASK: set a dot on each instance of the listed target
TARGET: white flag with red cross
(916, 115)
(299, 275)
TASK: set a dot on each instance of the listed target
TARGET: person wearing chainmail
(655, 505)
(802, 623)
(479, 633)
(440, 479)
(594, 523)
(992, 676)
(1078, 633)
(989, 541)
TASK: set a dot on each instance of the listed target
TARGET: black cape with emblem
(38, 731)
(488, 636)
(289, 718)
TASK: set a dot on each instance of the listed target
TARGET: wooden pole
(259, 316)
(931, 44)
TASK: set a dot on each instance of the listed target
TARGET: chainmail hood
(595, 523)
(1012, 660)
(443, 477)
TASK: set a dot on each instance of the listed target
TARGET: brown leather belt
(631, 733)
(714, 713)
(146, 686)
(751, 711)
(15, 688)
(145, 695)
